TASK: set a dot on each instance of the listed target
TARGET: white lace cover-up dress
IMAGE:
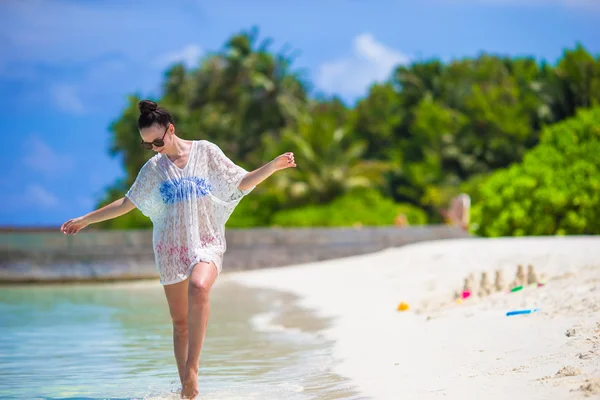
(188, 207)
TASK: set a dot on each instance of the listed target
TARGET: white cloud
(372, 61)
(189, 55)
(42, 158)
(66, 98)
(37, 195)
(94, 80)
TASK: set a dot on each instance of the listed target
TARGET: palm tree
(252, 91)
(330, 162)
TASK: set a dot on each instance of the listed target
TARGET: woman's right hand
(72, 226)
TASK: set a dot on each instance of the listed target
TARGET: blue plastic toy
(518, 312)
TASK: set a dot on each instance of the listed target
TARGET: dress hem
(190, 269)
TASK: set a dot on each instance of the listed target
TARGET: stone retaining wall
(119, 255)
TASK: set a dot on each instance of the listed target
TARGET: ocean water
(114, 341)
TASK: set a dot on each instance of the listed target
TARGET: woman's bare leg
(200, 282)
(177, 297)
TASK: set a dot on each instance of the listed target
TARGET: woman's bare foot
(190, 386)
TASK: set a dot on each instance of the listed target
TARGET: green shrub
(364, 207)
(554, 191)
(255, 210)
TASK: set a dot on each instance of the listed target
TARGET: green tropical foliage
(431, 130)
(361, 207)
(555, 190)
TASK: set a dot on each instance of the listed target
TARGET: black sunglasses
(156, 142)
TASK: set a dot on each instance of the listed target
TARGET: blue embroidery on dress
(183, 189)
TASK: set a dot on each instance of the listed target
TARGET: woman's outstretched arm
(110, 211)
(255, 177)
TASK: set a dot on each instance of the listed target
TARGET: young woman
(189, 190)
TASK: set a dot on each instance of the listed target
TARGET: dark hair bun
(151, 113)
(147, 106)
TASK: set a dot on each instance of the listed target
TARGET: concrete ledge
(121, 255)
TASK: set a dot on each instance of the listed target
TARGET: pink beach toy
(466, 294)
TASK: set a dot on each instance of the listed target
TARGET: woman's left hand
(286, 160)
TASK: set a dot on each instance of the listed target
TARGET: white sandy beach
(441, 349)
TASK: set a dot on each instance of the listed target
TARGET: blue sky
(67, 67)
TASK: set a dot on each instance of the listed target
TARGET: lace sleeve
(225, 175)
(143, 192)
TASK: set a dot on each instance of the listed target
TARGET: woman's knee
(180, 323)
(200, 286)
(201, 280)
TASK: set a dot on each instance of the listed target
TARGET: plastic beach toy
(403, 306)
(519, 312)
(521, 287)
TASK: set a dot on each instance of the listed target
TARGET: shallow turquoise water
(115, 341)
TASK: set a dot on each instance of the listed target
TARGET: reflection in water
(115, 341)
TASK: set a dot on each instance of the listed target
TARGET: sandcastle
(499, 283)
(468, 289)
(532, 275)
(520, 277)
(485, 286)
(469, 282)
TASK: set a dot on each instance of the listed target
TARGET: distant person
(458, 212)
(401, 220)
(189, 190)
